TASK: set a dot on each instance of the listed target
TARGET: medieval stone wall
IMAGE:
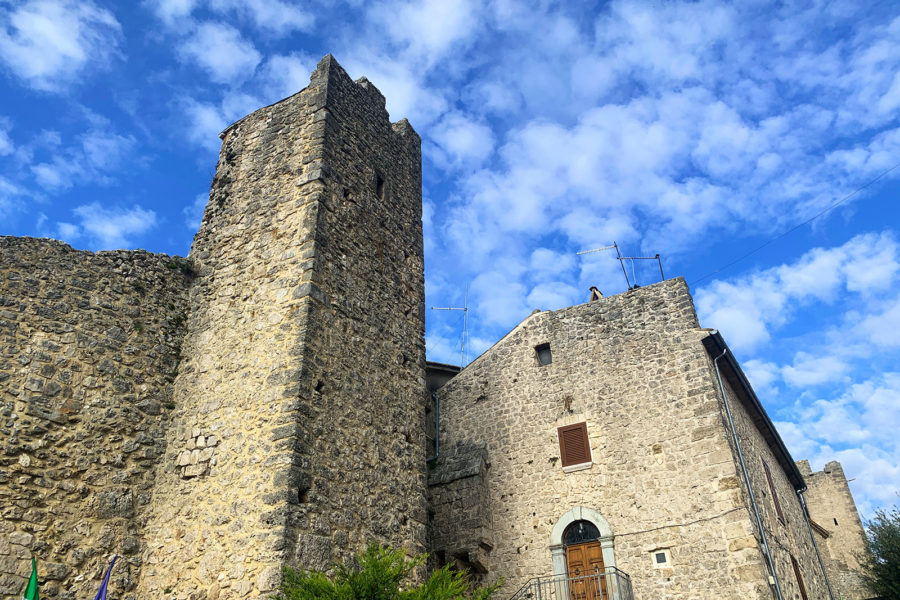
(786, 538)
(663, 476)
(89, 347)
(262, 403)
(461, 530)
(213, 526)
(369, 349)
(298, 435)
(831, 506)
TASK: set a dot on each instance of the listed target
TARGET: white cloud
(68, 231)
(273, 16)
(96, 154)
(669, 127)
(53, 176)
(285, 75)
(875, 473)
(763, 375)
(10, 197)
(672, 43)
(193, 212)
(172, 11)
(809, 370)
(406, 93)
(858, 427)
(444, 348)
(105, 150)
(428, 225)
(460, 142)
(6, 144)
(882, 327)
(205, 120)
(554, 295)
(49, 43)
(748, 308)
(108, 228)
(427, 30)
(546, 262)
(204, 123)
(222, 52)
(499, 299)
(492, 96)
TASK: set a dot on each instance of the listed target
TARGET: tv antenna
(463, 356)
(622, 260)
(618, 255)
(634, 258)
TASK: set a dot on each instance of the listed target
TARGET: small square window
(543, 354)
(661, 558)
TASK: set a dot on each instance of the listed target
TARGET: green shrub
(882, 560)
(379, 574)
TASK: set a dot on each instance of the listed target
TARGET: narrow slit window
(574, 446)
(799, 578)
(379, 186)
(773, 492)
(543, 354)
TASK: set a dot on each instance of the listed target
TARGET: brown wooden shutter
(799, 578)
(773, 492)
(574, 447)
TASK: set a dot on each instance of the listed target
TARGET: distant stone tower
(297, 436)
(841, 537)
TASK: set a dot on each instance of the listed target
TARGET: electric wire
(796, 227)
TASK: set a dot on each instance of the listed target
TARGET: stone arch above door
(580, 513)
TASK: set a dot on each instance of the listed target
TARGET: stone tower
(297, 435)
(842, 538)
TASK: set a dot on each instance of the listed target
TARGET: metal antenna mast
(618, 255)
(463, 356)
(634, 258)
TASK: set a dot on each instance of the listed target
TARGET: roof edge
(751, 402)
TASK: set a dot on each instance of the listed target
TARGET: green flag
(31, 591)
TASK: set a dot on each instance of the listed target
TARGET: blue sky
(699, 131)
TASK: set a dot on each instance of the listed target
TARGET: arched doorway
(584, 561)
(581, 544)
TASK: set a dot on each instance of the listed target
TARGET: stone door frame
(580, 513)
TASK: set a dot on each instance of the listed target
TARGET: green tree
(882, 561)
(379, 574)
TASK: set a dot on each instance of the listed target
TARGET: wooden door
(585, 567)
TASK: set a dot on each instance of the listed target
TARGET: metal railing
(606, 584)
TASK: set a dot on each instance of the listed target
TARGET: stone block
(194, 470)
(20, 538)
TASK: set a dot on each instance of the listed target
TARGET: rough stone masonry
(258, 404)
(89, 350)
(261, 403)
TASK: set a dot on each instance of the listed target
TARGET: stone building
(260, 403)
(620, 437)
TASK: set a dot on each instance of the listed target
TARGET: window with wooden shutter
(773, 492)
(799, 578)
(574, 447)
